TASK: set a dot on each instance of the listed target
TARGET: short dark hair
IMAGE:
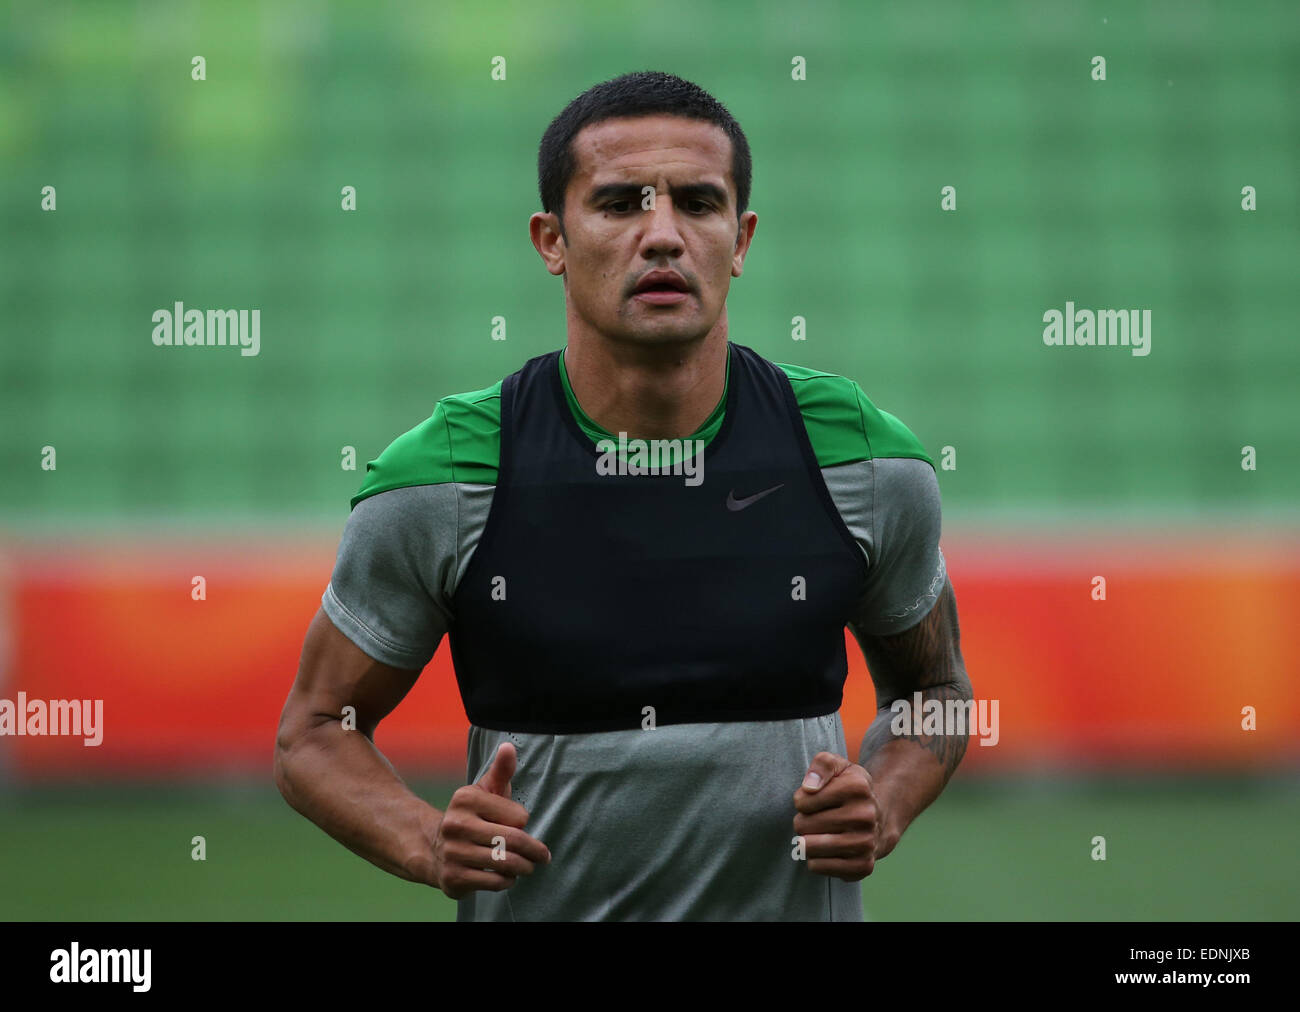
(642, 93)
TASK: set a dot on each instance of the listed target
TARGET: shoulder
(459, 442)
(844, 425)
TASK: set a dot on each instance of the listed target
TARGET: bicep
(925, 656)
(333, 673)
(383, 613)
(389, 592)
(900, 538)
(906, 620)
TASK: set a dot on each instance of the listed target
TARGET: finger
(463, 881)
(468, 830)
(516, 841)
(824, 767)
(465, 823)
(836, 820)
(496, 857)
(497, 779)
(848, 869)
(839, 845)
(850, 784)
(489, 807)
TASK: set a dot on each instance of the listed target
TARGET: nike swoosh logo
(736, 505)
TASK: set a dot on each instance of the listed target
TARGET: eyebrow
(633, 191)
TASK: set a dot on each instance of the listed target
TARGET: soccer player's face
(614, 237)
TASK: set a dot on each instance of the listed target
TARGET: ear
(744, 236)
(544, 230)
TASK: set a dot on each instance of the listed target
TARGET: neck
(649, 392)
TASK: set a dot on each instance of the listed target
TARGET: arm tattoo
(926, 659)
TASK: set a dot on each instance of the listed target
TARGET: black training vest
(591, 597)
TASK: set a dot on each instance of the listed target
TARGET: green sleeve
(459, 442)
(843, 425)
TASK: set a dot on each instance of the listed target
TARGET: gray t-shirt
(682, 822)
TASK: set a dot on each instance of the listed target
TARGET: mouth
(661, 288)
(661, 296)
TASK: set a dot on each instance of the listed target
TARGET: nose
(662, 237)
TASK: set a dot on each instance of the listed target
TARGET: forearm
(908, 771)
(339, 780)
(910, 759)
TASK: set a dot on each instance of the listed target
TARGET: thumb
(825, 765)
(497, 779)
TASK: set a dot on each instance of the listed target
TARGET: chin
(664, 336)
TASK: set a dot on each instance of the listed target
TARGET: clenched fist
(481, 843)
(839, 818)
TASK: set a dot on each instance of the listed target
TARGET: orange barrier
(1191, 631)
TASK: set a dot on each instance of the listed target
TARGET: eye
(615, 203)
(703, 203)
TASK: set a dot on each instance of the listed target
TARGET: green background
(225, 193)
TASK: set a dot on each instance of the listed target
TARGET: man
(645, 549)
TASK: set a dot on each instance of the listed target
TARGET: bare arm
(908, 771)
(337, 778)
